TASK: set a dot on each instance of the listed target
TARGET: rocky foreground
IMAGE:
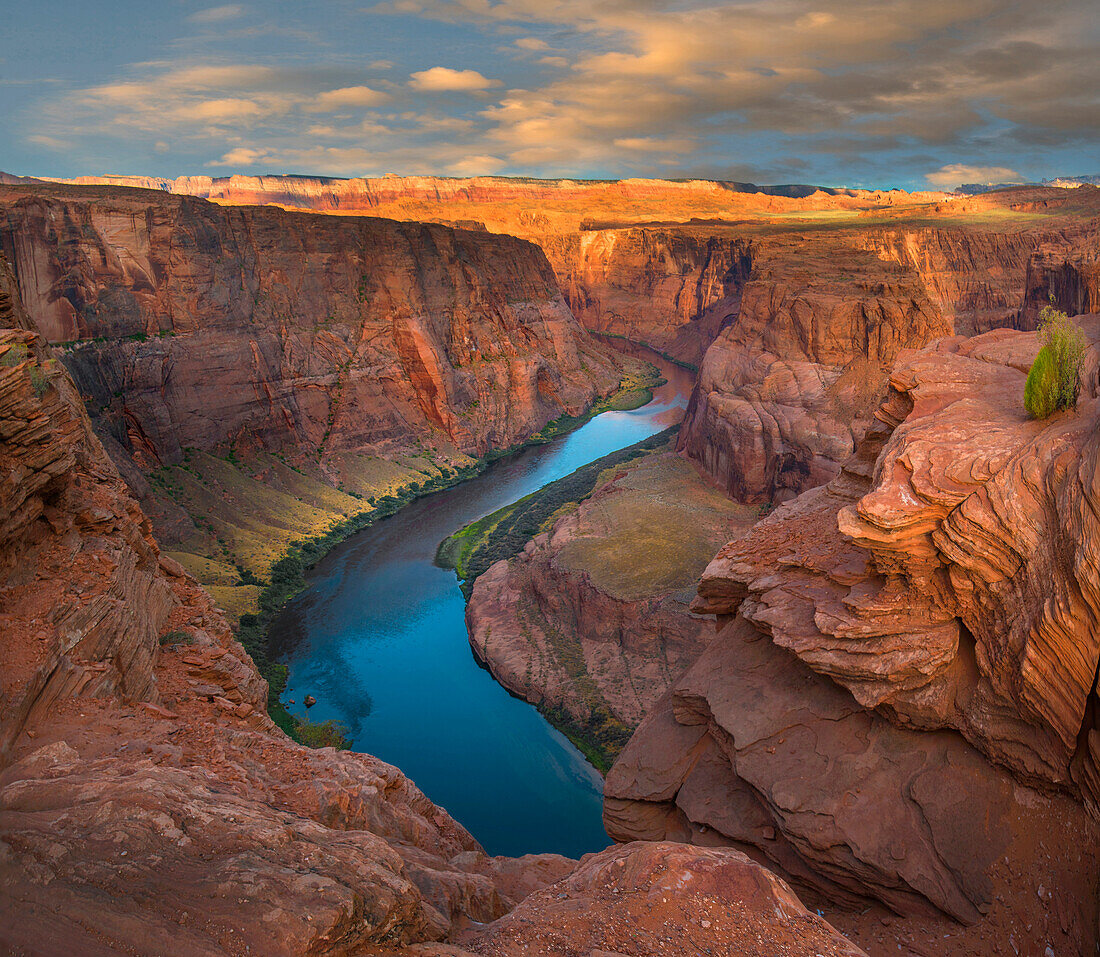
(901, 703)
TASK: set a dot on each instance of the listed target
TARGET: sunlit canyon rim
(834, 641)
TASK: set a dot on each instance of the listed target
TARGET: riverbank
(504, 533)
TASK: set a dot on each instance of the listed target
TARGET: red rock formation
(908, 643)
(787, 389)
(294, 331)
(672, 288)
(664, 898)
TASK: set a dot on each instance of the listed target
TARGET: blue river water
(379, 639)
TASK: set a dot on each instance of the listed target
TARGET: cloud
(476, 166)
(956, 174)
(231, 11)
(242, 156)
(869, 90)
(441, 79)
(652, 144)
(50, 142)
(348, 96)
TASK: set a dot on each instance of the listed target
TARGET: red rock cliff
(296, 331)
(788, 387)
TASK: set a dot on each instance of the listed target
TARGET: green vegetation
(16, 355)
(323, 734)
(176, 638)
(504, 533)
(1052, 383)
(39, 382)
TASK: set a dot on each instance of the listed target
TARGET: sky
(874, 93)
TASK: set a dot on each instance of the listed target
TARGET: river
(379, 638)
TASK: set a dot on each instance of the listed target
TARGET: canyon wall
(289, 331)
(788, 387)
(674, 289)
(659, 285)
(901, 702)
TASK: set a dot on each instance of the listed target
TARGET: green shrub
(1052, 382)
(176, 638)
(39, 382)
(322, 734)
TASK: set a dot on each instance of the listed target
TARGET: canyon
(145, 795)
(850, 609)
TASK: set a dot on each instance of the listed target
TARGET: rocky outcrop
(788, 387)
(786, 390)
(902, 647)
(83, 595)
(578, 626)
(657, 898)
(277, 330)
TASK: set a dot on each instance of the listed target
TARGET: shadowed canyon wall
(288, 330)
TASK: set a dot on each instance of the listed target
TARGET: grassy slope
(504, 533)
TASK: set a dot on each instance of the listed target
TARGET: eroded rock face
(674, 289)
(83, 595)
(904, 646)
(291, 331)
(969, 592)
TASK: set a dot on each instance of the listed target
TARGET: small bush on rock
(323, 734)
(1053, 380)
